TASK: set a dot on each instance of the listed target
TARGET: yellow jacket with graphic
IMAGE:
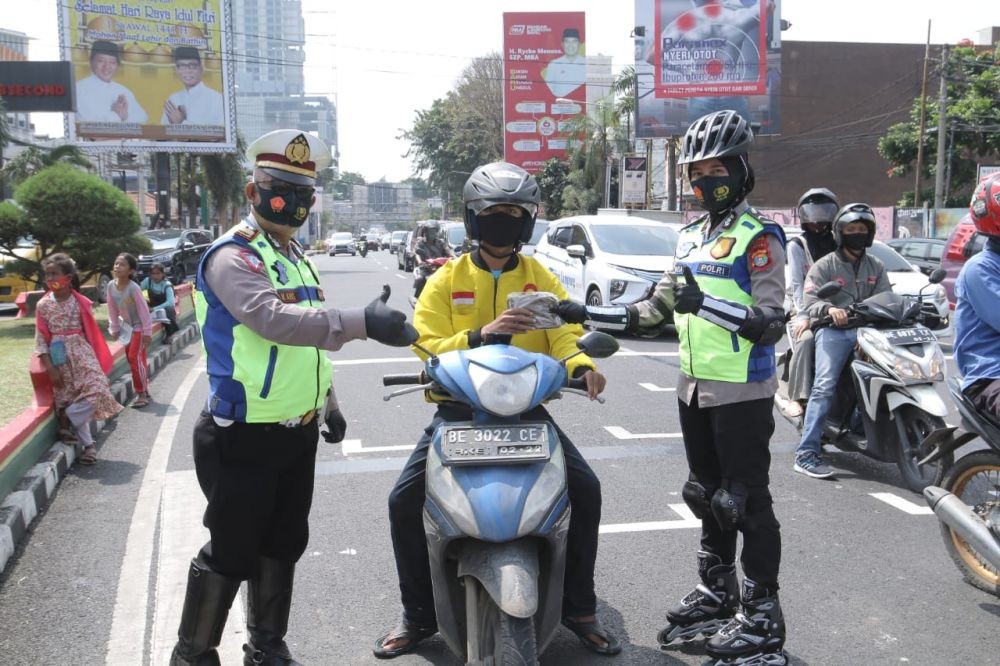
(462, 297)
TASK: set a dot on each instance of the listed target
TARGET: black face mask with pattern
(287, 210)
(717, 193)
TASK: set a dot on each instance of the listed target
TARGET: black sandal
(585, 629)
(407, 631)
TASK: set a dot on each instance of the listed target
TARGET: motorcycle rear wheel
(913, 425)
(974, 479)
(504, 640)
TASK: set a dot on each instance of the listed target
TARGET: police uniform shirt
(245, 289)
(767, 289)
(202, 106)
(94, 99)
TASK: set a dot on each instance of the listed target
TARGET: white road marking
(369, 361)
(353, 447)
(624, 352)
(654, 387)
(403, 277)
(181, 535)
(622, 433)
(687, 521)
(127, 641)
(904, 505)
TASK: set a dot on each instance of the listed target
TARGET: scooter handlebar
(402, 380)
(578, 383)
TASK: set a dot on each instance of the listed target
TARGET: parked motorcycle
(497, 511)
(886, 403)
(966, 498)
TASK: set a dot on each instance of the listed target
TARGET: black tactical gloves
(386, 325)
(570, 312)
(688, 297)
(336, 427)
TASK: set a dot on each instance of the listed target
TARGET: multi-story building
(14, 46)
(269, 53)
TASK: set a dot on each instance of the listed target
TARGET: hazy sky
(382, 60)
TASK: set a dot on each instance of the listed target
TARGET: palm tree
(33, 159)
(595, 139)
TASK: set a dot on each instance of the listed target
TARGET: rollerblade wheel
(759, 659)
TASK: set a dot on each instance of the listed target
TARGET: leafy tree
(594, 139)
(343, 187)
(553, 180)
(973, 121)
(462, 130)
(67, 210)
(4, 140)
(33, 159)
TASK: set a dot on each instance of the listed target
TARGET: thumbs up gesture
(386, 325)
(688, 296)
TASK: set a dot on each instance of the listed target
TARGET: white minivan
(608, 259)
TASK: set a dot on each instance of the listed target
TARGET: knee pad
(698, 496)
(729, 505)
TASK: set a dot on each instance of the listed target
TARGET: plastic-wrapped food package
(540, 303)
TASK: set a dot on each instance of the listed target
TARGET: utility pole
(923, 115)
(942, 130)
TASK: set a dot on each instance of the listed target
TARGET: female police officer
(264, 327)
(728, 313)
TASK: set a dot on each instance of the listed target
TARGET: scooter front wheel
(974, 479)
(496, 638)
(913, 425)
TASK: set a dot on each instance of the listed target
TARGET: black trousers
(409, 543)
(729, 444)
(258, 479)
(985, 395)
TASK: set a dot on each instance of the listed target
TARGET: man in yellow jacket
(463, 306)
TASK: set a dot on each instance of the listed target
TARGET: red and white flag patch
(463, 298)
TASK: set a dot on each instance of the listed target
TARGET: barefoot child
(73, 352)
(129, 321)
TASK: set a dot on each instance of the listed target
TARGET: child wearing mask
(74, 353)
(129, 321)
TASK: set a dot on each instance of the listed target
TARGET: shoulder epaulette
(246, 233)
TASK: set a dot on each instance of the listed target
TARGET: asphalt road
(100, 577)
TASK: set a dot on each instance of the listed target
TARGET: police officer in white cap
(265, 326)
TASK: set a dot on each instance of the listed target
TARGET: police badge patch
(723, 247)
(279, 268)
(684, 249)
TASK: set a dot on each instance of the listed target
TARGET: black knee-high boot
(269, 601)
(206, 605)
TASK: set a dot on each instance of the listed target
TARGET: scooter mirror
(597, 345)
(937, 275)
(828, 290)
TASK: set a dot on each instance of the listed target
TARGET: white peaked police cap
(291, 155)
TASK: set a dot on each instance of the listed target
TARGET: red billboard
(545, 84)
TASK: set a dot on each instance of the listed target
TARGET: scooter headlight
(550, 484)
(449, 495)
(936, 366)
(504, 394)
(907, 370)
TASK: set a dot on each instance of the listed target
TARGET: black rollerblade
(708, 606)
(755, 636)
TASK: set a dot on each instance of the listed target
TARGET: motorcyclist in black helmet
(501, 202)
(862, 276)
(429, 246)
(726, 295)
(816, 209)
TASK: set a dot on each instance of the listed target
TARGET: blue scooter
(497, 511)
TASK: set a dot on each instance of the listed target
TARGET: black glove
(688, 297)
(386, 325)
(336, 427)
(570, 312)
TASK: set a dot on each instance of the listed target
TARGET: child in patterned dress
(73, 351)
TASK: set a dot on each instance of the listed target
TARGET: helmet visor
(817, 213)
(514, 209)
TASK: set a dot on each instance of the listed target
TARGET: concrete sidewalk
(20, 507)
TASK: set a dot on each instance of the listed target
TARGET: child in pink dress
(73, 352)
(127, 308)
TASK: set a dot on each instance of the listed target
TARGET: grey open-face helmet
(431, 229)
(500, 183)
(817, 206)
(854, 212)
(718, 134)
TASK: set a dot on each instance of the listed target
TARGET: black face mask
(500, 229)
(717, 193)
(289, 210)
(854, 241)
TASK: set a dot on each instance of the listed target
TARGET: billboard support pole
(671, 174)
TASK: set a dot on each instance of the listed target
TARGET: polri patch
(252, 261)
(760, 254)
